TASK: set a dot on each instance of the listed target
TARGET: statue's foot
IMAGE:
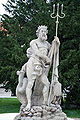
(27, 108)
(44, 103)
(22, 107)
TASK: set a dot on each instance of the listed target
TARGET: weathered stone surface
(37, 118)
(43, 113)
(49, 113)
(26, 118)
(30, 114)
(61, 114)
(38, 114)
(53, 109)
(37, 108)
(59, 118)
(26, 112)
(48, 108)
(43, 107)
(58, 111)
(32, 111)
(18, 117)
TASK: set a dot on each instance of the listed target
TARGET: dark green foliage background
(21, 26)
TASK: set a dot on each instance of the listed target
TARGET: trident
(54, 61)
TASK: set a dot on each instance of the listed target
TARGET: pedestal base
(52, 112)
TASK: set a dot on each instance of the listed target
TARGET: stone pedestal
(52, 112)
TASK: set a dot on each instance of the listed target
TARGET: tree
(20, 31)
(70, 52)
(21, 27)
(11, 57)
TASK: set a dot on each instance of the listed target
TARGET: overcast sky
(2, 10)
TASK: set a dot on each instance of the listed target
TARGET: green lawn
(12, 105)
(73, 113)
(9, 105)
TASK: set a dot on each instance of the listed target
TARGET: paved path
(8, 97)
(10, 116)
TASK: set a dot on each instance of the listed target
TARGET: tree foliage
(21, 26)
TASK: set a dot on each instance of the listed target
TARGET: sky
(2, 10)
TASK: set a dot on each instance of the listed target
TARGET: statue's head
(42, 32)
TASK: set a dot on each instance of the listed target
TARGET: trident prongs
(52, 14)
(57, 15)
(62, 12)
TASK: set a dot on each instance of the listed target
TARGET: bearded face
(42, 34)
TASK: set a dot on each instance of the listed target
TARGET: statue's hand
(57, 40)
(48, 60)
(18, 72)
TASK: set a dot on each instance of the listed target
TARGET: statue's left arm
(54, 48)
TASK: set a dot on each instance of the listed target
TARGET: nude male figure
(36, 65)
(39, 61)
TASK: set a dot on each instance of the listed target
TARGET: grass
(9, 105)
(72, 113)
(12, 105)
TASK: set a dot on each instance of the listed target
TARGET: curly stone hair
(41, 27)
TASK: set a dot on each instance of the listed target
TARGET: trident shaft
(54, 60)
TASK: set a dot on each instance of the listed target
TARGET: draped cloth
(56, 64)
(54, 56)
(54, 51)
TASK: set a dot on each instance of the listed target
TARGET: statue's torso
(34, 60)
(42, 47)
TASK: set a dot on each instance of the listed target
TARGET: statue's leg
(45, 81)
(29, 73)
(29, 93)
(21, 88)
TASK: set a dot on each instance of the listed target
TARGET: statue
(38, 64)
(41, 56)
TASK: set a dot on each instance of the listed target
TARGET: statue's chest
(43, 48)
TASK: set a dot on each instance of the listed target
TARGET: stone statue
(40, 54)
